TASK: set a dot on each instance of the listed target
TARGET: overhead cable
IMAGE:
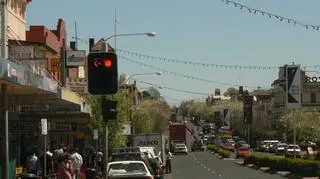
(184, 75)
(208, 65)
(174, 89)
(271, 15)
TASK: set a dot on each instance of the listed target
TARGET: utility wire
(271, 15)
(183, 75)
(173, 89)
(209, 65)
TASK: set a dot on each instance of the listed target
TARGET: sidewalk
(168, 176)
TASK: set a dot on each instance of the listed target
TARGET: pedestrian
(65, 167)
(168, 161)
(33, 163)
(77, 162)
(162, 172)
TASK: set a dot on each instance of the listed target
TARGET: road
(203, 165)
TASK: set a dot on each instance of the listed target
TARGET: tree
(231, 91)
(160, 112)
(307, 124)
(115, 137)
(154, 93)
(142, 121)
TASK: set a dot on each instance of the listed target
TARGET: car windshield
(282, 145)
(244, 149)
(126, 168)
(125, 157)
(180, 146)
(292, 147)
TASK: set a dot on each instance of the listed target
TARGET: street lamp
(138, 74)
(150, 34)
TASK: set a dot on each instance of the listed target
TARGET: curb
(266, 169)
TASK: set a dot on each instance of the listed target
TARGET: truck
(155, 140)
(177, 134)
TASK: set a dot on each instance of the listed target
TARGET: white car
(280, 148)
(128, 169)
(181, 148)
(292, 150)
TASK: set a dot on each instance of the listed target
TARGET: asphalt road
(203, 165)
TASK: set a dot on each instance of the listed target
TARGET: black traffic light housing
(109, 109)
(102, 73)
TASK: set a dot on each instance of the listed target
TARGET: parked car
(228, 146)
(180, 148)
(280, 148)
(243, 152)
(292, 150)
(128, 169)
(197, 146)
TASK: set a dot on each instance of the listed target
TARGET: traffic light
(109, 109)
(102, 73)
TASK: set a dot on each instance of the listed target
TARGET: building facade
(17, 18)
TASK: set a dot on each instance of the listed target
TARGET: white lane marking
(203, 166)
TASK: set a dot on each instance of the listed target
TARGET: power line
(173, 89)
(208, 65)
(271, 15)
(184, 75)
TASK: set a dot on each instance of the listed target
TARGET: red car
(243, 152)
(228, 146)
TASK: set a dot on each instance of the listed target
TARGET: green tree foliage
(306, 121)
(142, 121)
(160, 112)
(115, 137)
(231, 91)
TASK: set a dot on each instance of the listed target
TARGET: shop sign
(312, 79)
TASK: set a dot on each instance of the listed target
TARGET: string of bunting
(173, 89)
(271, 15)
(183, 75)
(209, 65)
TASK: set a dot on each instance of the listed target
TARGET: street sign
(293, 86)
(226, 119)
(44, 127)
(247, 109)
(95, 134)
(76, 58)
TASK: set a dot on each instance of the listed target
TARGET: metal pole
(4, 90)
(45, 157)
(248, 133)
(115, 29)
(105, 153)
(4, 118)
(294, 134)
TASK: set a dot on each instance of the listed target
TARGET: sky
(206, 31)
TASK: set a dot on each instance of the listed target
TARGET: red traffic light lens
(107, 63)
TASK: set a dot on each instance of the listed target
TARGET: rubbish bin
(91, 173)
(28, 176)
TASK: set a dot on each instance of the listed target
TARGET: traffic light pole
(106, 146)
(4, 95)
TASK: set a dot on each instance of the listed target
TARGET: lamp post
(150, 34)
(139, 74)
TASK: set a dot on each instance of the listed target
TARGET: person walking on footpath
(77, 162)
(168, 161)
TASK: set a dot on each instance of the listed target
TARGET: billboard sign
(76, 58)
(293, 86)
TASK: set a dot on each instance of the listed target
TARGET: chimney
(91, 44)
(73, 45)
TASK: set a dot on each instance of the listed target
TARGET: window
(313, 98)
